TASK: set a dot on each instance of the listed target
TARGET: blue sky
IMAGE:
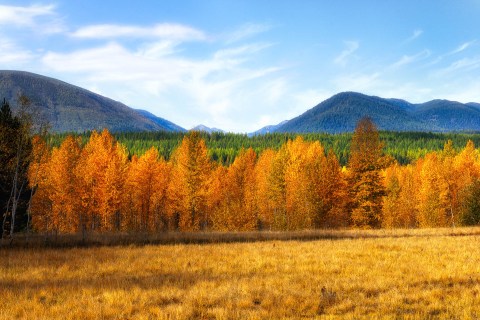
(240, 65)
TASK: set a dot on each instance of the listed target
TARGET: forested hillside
(224, 147)
(341, 112)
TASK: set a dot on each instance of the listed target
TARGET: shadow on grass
(113, 281)
(211, 237)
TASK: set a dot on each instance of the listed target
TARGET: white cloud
(158, 78)
(39, 18)
(342, 58)
(24, 16)
(416, 33)
(163, 31)
(465, 64)
(246, 31)
(406, 59)
(462, 47)
(241, 51)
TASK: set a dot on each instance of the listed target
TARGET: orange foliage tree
(145, 195)
(264, 201)
(327, 188)
(239, 204)
(190, 186)
(297, 187)
(366, 189)
(101, 171)
(400, 204)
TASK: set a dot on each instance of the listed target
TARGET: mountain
(450, 115)
(267, 129)
(170, 126)
(341, 112)
(474, 104)
(70, 108)
(203, 128)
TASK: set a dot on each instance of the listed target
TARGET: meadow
(427, 273)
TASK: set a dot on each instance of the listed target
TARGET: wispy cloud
(462, 47)
(416, 33)
(246, 31)
(24, 16)
(242, 50)
(463, 65)
(406, 59)
(163, 31)
(214, 87)
(342, 58)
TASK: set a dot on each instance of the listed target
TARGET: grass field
(373, 274)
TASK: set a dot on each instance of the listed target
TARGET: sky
(239, 65)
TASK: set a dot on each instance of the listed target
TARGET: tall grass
(376, 274)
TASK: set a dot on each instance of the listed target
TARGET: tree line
(97, 186)
(405, 147)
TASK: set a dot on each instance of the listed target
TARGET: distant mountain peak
(204, 128)
(268, 129)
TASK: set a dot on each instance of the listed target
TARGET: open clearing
(376, 274)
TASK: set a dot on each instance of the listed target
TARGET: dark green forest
(405, 147)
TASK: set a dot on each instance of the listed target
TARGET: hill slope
(450, 115)
(168, 125)
(341, 112)
(70, 108)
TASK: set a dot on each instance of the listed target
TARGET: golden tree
(432, 196)
(238, 207)
(366, 189)
(400, 204)
(467, 174)
(277, 189)
(298, 208)
(192, 170)
(217, 202)
(264, 201)
(327, 188)
(101, 172)
(63, 186)
(145, 195)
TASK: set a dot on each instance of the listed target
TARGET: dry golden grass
(376, 274)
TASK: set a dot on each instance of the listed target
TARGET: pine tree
(15, 156)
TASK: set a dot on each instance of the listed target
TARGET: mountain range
(341, 112)
(69, 108)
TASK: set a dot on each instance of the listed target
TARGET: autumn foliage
(99, 187)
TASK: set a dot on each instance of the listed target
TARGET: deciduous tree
(366, 189)
(192, 170)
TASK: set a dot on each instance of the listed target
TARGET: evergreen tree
(15, 152)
